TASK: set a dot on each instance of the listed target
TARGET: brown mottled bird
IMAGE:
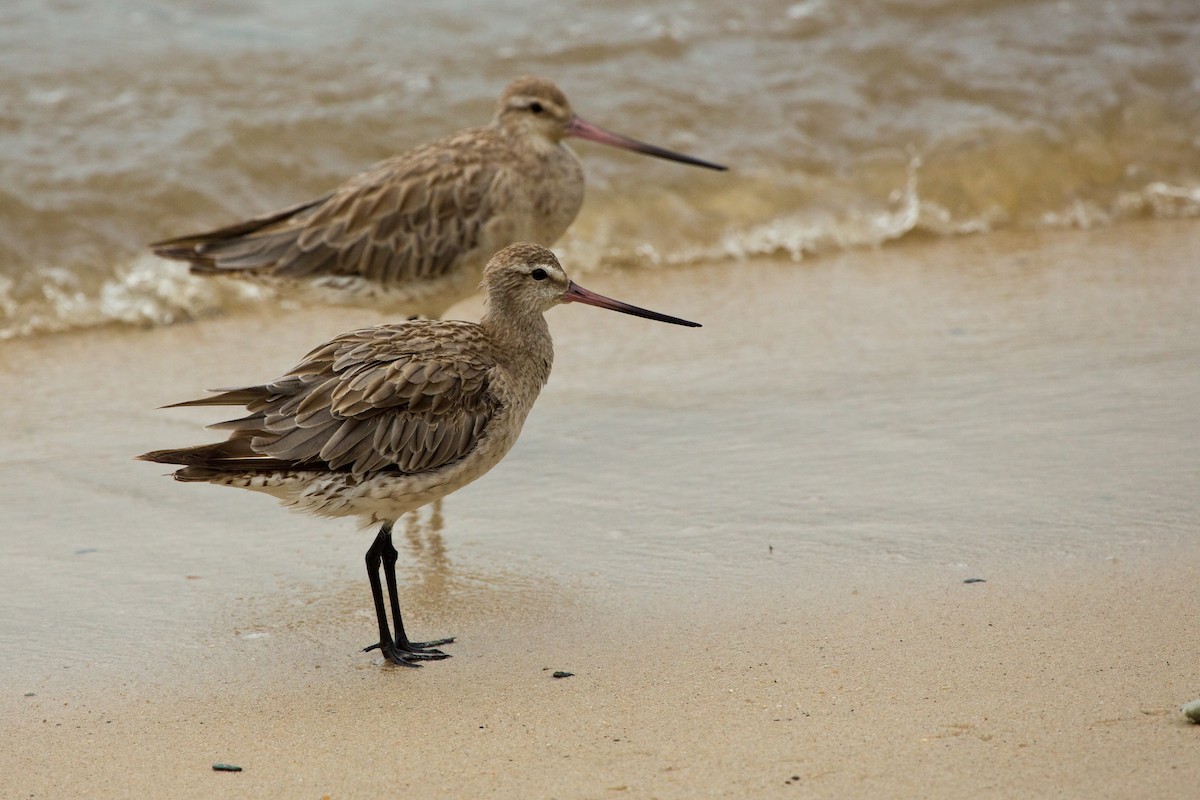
(412, 233)
(378, 422)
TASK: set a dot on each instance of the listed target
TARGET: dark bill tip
(577, 294)
(594, 133)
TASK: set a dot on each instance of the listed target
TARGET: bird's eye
(536, 107)
(539, 274)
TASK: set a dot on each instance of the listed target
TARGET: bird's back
(411, 234)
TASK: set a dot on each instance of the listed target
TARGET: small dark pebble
(795, 777)
(227, 768)
(974, 580)
(561, 674)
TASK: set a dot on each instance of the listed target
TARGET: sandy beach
(749, 543)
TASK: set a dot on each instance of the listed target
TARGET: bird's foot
(431, 644)
(408, 654)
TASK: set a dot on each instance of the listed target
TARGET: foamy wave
(146, 292)
(797, 236)
(1158, 200)
(149, 291)
(804, 233)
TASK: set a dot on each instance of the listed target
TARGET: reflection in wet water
(440, 594)
(426, 545)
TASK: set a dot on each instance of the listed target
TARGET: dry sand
(748, 542)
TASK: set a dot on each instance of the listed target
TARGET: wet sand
(748, 542)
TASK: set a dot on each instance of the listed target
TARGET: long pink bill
(586, 130)
(577, 294)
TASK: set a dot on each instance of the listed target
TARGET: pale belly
(382, 496)
(429, 298)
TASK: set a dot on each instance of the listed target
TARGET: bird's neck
(524, 338)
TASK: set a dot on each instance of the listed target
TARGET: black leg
(374, 560)
(398, 650)
(390, 557)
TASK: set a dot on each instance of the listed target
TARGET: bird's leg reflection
(428, 548)
(398, 650)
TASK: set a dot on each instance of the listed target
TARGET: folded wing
(392, 398)
(408, 218)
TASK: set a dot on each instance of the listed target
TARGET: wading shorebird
(411, 234)
(381, 421)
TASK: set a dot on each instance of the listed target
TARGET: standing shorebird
(381, 421)
(411, 234)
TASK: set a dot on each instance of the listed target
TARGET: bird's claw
(408, 653)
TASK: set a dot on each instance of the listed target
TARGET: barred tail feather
(237, 396)
(250, 245)
(209, 461)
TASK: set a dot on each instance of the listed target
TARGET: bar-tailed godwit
(412, 233)
(378, 422)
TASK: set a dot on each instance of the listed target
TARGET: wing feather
(407, 218)
(408, 398)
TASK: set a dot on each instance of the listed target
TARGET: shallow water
(847, 123)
